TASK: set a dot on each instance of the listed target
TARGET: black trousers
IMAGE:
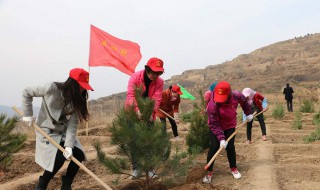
(262, 126)
(289, 105)
(173, 125)
(215, 145)
(72, 169)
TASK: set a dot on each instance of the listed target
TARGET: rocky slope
(268, 69)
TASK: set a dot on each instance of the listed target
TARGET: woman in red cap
(222, 121)
(64, 104)
(151, 83)
(170, 105)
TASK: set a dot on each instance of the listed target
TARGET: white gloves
(223, 144)
(249, 117)
(27, 120)
(67, 153)
(151, 118)
(139, 114)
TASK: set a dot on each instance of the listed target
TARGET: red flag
(107, 50)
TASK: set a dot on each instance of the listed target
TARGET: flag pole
(87, 123)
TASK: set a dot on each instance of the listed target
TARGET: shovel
(173, 118)
(233, 134)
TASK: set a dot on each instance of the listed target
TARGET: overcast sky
(41, 40)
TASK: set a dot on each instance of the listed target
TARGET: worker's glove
(249, 117)
(151, 118)
(27, 120)
(67, 153)
(139, 114)
(223, 144)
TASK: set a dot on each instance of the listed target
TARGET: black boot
(42, 184)
(66, 183)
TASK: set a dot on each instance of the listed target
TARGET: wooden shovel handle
(173, 118)
(233, 134)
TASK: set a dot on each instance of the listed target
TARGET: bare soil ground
(284, 161)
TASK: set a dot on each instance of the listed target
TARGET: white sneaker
(135, 174)
(152, 175)
(236, 174)
(207, 178)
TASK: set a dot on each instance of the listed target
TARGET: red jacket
(167, 105)
(257, 100)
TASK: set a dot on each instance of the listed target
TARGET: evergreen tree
(9, 142)
(198, 136)
(144, 141)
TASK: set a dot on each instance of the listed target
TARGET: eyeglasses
(155, 73)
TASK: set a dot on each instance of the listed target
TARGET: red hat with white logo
(221, 92)
(176, 89)
(155, 64)
(82, 77)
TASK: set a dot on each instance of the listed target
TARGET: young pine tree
(145, 143)
(198, 136)
(9, 142)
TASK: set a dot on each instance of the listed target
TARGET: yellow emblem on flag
(104, 43)
(123, 52)
(114, 48)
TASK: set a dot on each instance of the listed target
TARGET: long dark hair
(71, 92)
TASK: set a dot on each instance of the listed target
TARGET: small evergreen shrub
(314, 136)
(316, 118)
(9, 142)
(198, 135)
(278, 112)
(297, 123)
(186, 117)
(144, 142)
(307, 106)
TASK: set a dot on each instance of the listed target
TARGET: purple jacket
(223, 116)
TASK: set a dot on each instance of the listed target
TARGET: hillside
(267, 70)
(284, 162)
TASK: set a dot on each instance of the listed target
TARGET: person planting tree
(258, 103)
(222, 121)
(64, 104)
(170, 106)
(151, 84)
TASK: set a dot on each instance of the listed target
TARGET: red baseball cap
(155, 64)
(177, 89)
(82, 77)
(222, 91)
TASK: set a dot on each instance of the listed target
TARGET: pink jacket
(155, 90)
